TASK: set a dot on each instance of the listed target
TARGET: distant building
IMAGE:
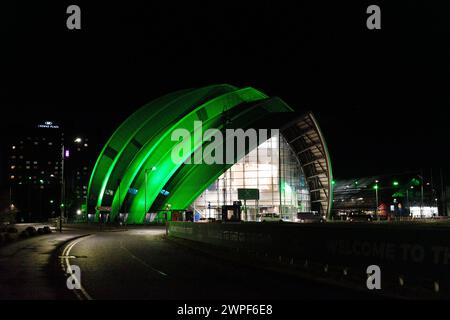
(403, 194)
(35, 172)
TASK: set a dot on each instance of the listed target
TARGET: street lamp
(145, 195)
(65, 153)
(62, 207)
(376, 199)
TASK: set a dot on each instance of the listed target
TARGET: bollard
(345, 271)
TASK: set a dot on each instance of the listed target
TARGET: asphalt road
(140, 264)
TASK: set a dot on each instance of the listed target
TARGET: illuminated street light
(78, 212)
(376, 199)
(395, 183)
(78, 140)
(145, 189)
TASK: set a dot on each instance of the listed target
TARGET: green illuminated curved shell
(157, 152)
(142, 147)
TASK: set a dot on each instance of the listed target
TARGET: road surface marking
(141, 261)
(66, 254)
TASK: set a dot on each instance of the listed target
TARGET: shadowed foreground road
(140, 264)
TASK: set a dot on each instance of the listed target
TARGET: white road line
(66, 253)
(142, 261)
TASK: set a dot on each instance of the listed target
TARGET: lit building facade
(35, 170)
(135, 176)
(274, 170)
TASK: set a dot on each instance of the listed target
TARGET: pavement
(139, 263)
(27, 267)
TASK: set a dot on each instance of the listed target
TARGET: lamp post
(145, 189)
(376, 199)
(64, 154)
(10, 196)
(63, 200)
(421, 197)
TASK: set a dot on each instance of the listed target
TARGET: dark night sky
(381, 97)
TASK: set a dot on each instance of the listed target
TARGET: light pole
(376, 199)
(62, 206)
(407, 200)
(421, 197)
(10, 195)
(64, 154)
(145, 189)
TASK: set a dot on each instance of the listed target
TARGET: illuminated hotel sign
(48, 125)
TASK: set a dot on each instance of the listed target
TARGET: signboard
(248, 194)
(108, 209)
(48, 125)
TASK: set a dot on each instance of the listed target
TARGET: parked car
(360, 218)
(269, 217)
(310, 217)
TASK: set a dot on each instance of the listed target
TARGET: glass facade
(274, 170)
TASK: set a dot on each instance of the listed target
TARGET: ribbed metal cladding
(306, 140)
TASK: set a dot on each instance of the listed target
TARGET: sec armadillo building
(136, 179)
